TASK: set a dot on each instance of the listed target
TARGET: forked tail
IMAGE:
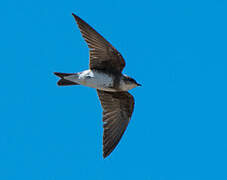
(64, 82)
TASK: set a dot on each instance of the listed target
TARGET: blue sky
(176, 49)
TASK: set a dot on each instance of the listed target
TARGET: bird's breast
(97, 79)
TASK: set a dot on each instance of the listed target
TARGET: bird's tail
(64, 82)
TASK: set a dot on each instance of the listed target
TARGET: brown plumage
(117, 104)
(117, 111)
(103, 56)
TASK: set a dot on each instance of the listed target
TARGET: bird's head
(130, 82)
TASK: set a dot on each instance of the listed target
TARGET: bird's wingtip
(104, 155)
(77, 18)
(74, 15)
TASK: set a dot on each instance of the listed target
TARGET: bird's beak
(139, 85)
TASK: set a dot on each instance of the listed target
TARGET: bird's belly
(95, 79)
(103, 83)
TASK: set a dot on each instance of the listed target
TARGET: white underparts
(99, 80)
(93, 79)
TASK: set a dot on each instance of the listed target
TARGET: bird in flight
(105, 75)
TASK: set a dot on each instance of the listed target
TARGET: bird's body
(101, 80)
(105, 75)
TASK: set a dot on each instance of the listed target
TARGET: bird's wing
(117, 111)
(103, 56)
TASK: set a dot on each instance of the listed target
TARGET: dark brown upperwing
(117, 112)
(103, 56)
